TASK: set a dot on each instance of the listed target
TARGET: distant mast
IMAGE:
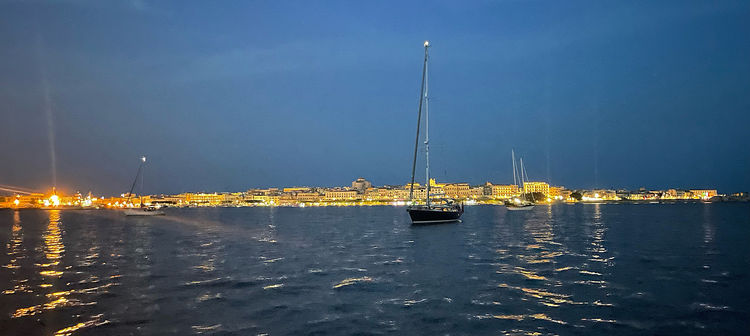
(422, 100)
(132, 187)
(513, 159)
(523, 178)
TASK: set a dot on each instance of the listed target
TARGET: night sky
(225, 96)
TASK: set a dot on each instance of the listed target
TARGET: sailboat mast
(143, 173)
(513, 159)
(523, 175)
(135, 180)
(419, 122)
(427, 125)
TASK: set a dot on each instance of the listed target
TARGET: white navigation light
(426, 43)
(143, 158)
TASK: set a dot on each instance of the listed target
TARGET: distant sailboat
(519, 203)
(142, 211)
(428, 213)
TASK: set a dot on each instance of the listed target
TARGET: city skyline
(260, 94)
(363, 186)
(362, 193)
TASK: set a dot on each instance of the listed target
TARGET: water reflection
(269, 233)
(538, 258)
(50, 269)
(538, 270)
(208, 258)
(527, 270)
(53, 247)
(708, 228)
(93, 274)
(142, 247)
(58, 285)
(16, 253)
(596, 251)
(707, 245)
(270, 256)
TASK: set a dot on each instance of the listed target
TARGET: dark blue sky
(224, 96)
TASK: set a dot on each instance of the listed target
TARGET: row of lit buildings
(361, 192)
(647, 195)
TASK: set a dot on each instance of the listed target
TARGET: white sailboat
(519, 178)
(142, 211)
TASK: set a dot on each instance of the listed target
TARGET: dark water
(564, 269)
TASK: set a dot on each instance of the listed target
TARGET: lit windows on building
(532, 187)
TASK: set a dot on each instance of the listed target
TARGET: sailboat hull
(143, 212)
(519, 207)
(425, 215)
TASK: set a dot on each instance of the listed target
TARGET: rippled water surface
(563, 269)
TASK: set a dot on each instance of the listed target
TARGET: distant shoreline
(393, 204)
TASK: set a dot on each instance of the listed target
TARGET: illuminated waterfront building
(532, 187)
(565, 195)
(307, 197)
(457, 190)
(640, 196)
(379, 194)
(420, 193)
(476, 192)
(415, 184)
(361, 185)
(340, 194)
(434, 184)
(703, 193)
(558, 193)
(669, 194)
(288, 198)
(270, 196)
(683, 194)
(254, 199)
(600, 195)
(555, 191)
(297, 189)
(213, 199)
(398, 194)
(269, 191)
(403, 194)
(501, 190)
(26, 201)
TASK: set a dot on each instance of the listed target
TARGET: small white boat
(519, 207)
(518, 204)
(519, 178)
(143, 212)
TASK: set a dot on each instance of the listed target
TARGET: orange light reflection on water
(15, 253)
(53, 251)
